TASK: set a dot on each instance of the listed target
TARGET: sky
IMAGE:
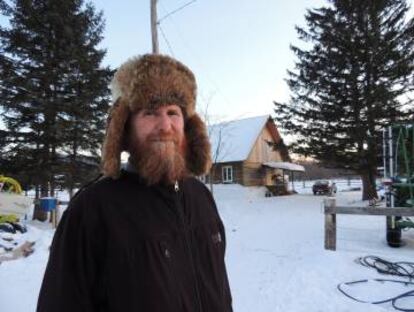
(238, 50)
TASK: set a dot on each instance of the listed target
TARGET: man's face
(157, 144)
(161, 124)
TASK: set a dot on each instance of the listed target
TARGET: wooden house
(250, 152)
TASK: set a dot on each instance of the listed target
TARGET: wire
(401, 268)
(175, 11)
(190, 50)
(166, 40)
(393, 300)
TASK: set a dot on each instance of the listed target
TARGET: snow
(275, 255)
(20, 279)
(285, 166)
(235, 139)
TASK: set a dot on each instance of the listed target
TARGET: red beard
(160, 158)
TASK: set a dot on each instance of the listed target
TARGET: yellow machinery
(9, 185)
(12, 201)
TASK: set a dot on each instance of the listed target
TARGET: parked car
(324, 187)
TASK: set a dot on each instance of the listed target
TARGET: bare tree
(217, 131)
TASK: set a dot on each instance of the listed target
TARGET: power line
(175, 11)
(166, 40)
(211, 81)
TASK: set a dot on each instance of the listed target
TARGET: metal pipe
(384, 152)
(391, 162)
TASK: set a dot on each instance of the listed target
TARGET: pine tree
(53, 89)
(352, 78)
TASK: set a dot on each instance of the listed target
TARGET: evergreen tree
(352, 78)
(54, 92)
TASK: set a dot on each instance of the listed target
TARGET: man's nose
(164, 123)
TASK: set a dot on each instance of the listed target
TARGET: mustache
(163, 138)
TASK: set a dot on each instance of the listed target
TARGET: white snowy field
(275, 255)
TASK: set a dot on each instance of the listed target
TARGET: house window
(227, 174)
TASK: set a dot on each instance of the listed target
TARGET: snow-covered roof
(235, 139)
(285, 166)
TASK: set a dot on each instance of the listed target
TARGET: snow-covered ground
(275, 255)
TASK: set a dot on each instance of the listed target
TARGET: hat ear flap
(198, 154)
(114, 139)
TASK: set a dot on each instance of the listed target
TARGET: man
(147, 238)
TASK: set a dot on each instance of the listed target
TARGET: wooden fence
(331, 210)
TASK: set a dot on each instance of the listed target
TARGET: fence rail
(331, 210)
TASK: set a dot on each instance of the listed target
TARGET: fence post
(330, 223)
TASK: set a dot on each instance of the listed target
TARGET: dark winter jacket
(123, 246)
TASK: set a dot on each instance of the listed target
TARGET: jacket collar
(129, 171)
(130, 167)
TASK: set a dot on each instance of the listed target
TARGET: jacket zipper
(188, 244)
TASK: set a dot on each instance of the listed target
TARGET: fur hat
(151, 81)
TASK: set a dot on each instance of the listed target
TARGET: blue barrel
(48, 203)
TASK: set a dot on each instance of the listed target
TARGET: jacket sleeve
(72, 277)
(226, 285)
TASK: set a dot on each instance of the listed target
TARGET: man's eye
(173, 113)
(148, 113)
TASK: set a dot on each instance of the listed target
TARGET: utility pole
(154, 27)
